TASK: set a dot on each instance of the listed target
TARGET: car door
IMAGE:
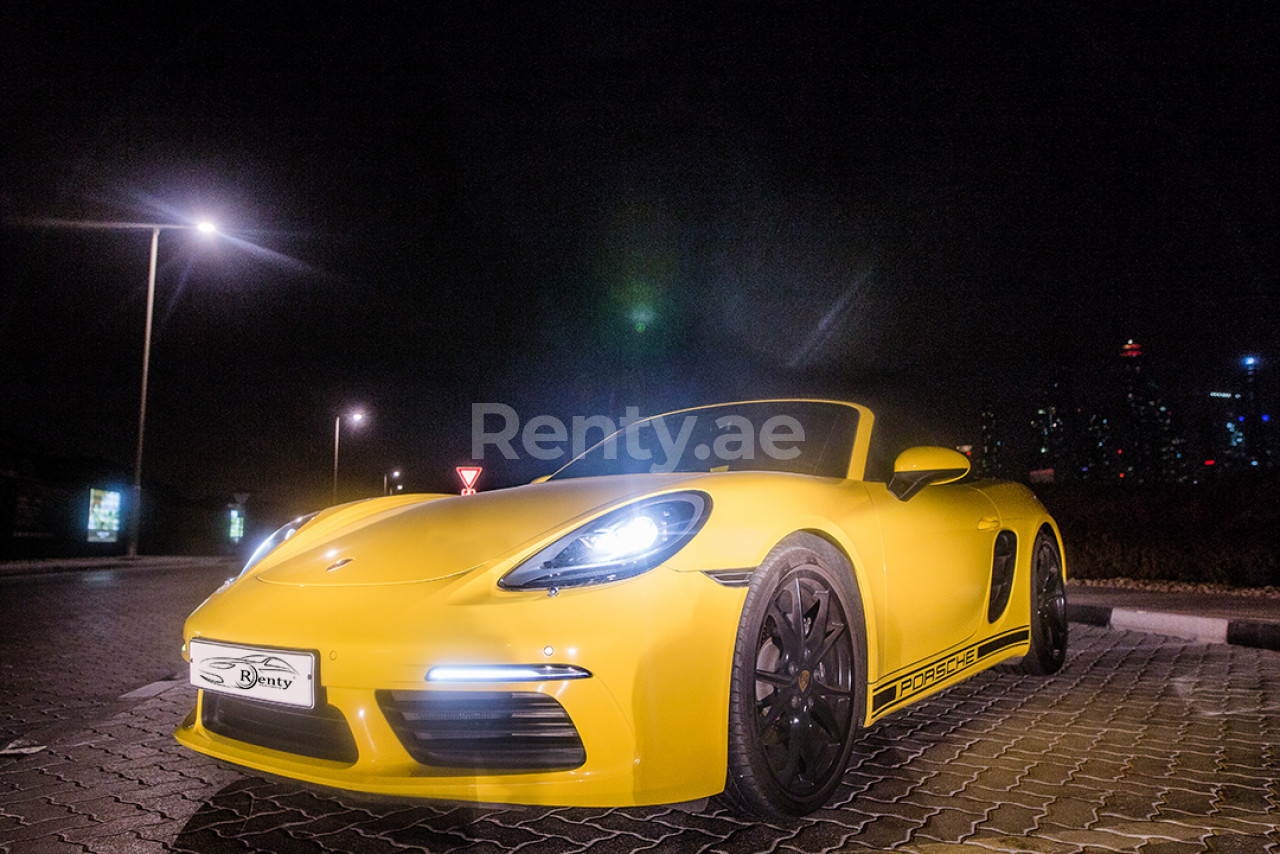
(937, 563)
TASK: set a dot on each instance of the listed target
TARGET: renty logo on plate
(273, 675)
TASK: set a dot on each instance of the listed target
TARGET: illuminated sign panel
(104, 516)
(236, 530)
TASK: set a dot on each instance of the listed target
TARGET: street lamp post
(135, 520)
(356, 418)
(131, 547)
(135, 517)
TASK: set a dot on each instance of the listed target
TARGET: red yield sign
(469, 475)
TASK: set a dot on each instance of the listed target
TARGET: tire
(1048, 609)
(797, 697)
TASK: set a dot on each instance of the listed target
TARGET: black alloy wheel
(796, 698)
(1048, 609)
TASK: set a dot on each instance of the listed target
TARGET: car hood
(442, 537)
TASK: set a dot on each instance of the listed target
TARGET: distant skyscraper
(1226, 440)
(990, 462)
(1052, 459)
(1147, 447)
(1098, 454)
(1253, 425)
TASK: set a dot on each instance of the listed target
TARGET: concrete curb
(1241, 632)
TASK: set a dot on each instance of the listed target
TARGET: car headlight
(270, 543)
(621, 544)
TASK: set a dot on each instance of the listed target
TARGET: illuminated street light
(386, 482)
(135, 516)
(356, 418)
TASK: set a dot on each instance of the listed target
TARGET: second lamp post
(356, 418)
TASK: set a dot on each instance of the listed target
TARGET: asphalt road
(1142, 743)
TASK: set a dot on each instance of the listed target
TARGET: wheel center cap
(803, 680)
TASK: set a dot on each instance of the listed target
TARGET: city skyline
(1205, 433)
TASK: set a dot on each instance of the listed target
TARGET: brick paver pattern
(1141, 743)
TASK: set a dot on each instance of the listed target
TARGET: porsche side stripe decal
(907, 686)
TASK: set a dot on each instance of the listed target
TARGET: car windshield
(798, 436)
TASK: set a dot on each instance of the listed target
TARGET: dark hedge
(1225, 531)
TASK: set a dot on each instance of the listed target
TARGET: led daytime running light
(506, 673)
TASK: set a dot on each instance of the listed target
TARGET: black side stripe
(905, 687)
(999, 643)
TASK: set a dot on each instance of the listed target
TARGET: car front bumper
(651, 717)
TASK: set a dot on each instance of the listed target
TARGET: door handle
(988, 523)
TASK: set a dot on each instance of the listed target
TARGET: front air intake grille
(321, 733)
(491, 730)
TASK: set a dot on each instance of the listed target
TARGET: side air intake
(1004, 559)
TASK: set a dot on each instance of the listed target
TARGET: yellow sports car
(712, 600)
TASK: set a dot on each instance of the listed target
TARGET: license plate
(278, 676)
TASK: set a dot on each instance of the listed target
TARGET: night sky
(574, 208)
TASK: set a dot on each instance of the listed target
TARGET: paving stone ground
(71, 643)
(1142, 744)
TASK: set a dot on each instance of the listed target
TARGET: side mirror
(916, 468)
